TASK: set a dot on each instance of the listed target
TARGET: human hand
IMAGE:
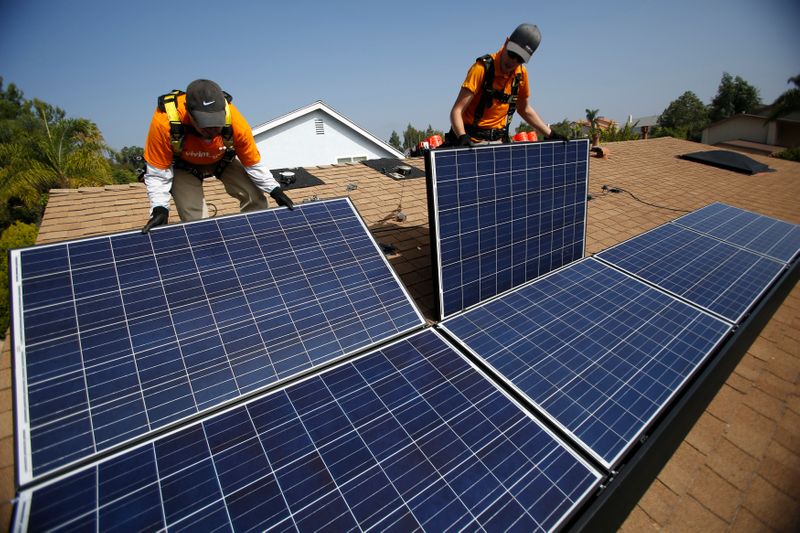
(465, 140)
(555, 136)
(280, 198)
(158, 216)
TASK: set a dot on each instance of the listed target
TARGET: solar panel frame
(348, 268)
(323, 448)
(758, 233)
(721, 278)
(527, 355)
(487, 238)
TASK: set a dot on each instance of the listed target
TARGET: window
(352, 159)
(319, 126)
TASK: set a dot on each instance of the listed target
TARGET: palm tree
(788, 102)
(65, 153)
(594, 131)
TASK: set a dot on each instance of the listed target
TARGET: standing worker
(196, 135)
(495, 86)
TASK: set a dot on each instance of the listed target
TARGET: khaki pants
(187, 191)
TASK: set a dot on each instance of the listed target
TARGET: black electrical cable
(611, 188)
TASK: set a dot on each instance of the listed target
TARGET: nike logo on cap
(208, 103)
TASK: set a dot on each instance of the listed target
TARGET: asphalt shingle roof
(738, 468)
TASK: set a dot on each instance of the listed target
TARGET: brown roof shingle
(738, 468)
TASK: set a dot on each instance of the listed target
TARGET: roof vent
(319, 126)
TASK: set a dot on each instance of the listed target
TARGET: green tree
(613, 133)
(734, 96)
(567, 129)
(394, 140)
(13, 107)
(412, 136)
(17, 235)
(788, 102)
(523, 126)
(126, 163)
(684, 118)
(51, 153)
(430, 132)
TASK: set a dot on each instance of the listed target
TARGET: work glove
(159, 216)
(280, 197)
(465, 140)
(555, 136)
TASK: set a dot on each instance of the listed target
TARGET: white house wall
(297, 144)
(744, 128)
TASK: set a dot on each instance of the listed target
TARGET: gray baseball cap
(206, 103)
(524, 41)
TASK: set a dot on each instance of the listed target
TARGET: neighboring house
(317, 135)
(738, 469)
(603, 124)
(749, 132)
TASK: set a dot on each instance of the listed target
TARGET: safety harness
(488, 95)
(177, 132)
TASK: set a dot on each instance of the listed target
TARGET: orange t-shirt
(196, 150)
(494, 115)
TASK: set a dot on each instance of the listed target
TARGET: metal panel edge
(433, 235)
(23, 461)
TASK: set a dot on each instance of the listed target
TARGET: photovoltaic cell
(503, 215)
(597, 351)
(757, 233)
(719, 277)
(407, 437)
(120, 335)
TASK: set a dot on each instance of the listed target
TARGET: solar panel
(503, 215)
(712, 274)
(598, 352)
(407, 437)
(757, 233)
(120, 335)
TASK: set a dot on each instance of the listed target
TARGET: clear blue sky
(386, 64)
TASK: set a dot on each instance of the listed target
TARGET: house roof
(739, 466)
(319, 105)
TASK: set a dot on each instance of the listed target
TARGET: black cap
(524, 41)
(206, 103)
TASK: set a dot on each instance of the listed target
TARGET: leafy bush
(792, 154)
(17, 235)
(613, 133)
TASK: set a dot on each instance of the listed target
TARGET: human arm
(529, 115)
(159, 184)
(457, 112)
(250, 157)
(262, 178)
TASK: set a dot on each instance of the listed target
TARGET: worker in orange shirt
(196, 135)
(495, 87)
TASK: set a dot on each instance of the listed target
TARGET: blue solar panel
(504, 215)
(714, 275)
(408, 437)
(598, 352)
(120, 335)
(758, 233)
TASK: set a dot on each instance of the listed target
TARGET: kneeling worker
(495, 86)
(196, 135)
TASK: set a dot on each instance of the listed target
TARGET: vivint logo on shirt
(198, 153)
